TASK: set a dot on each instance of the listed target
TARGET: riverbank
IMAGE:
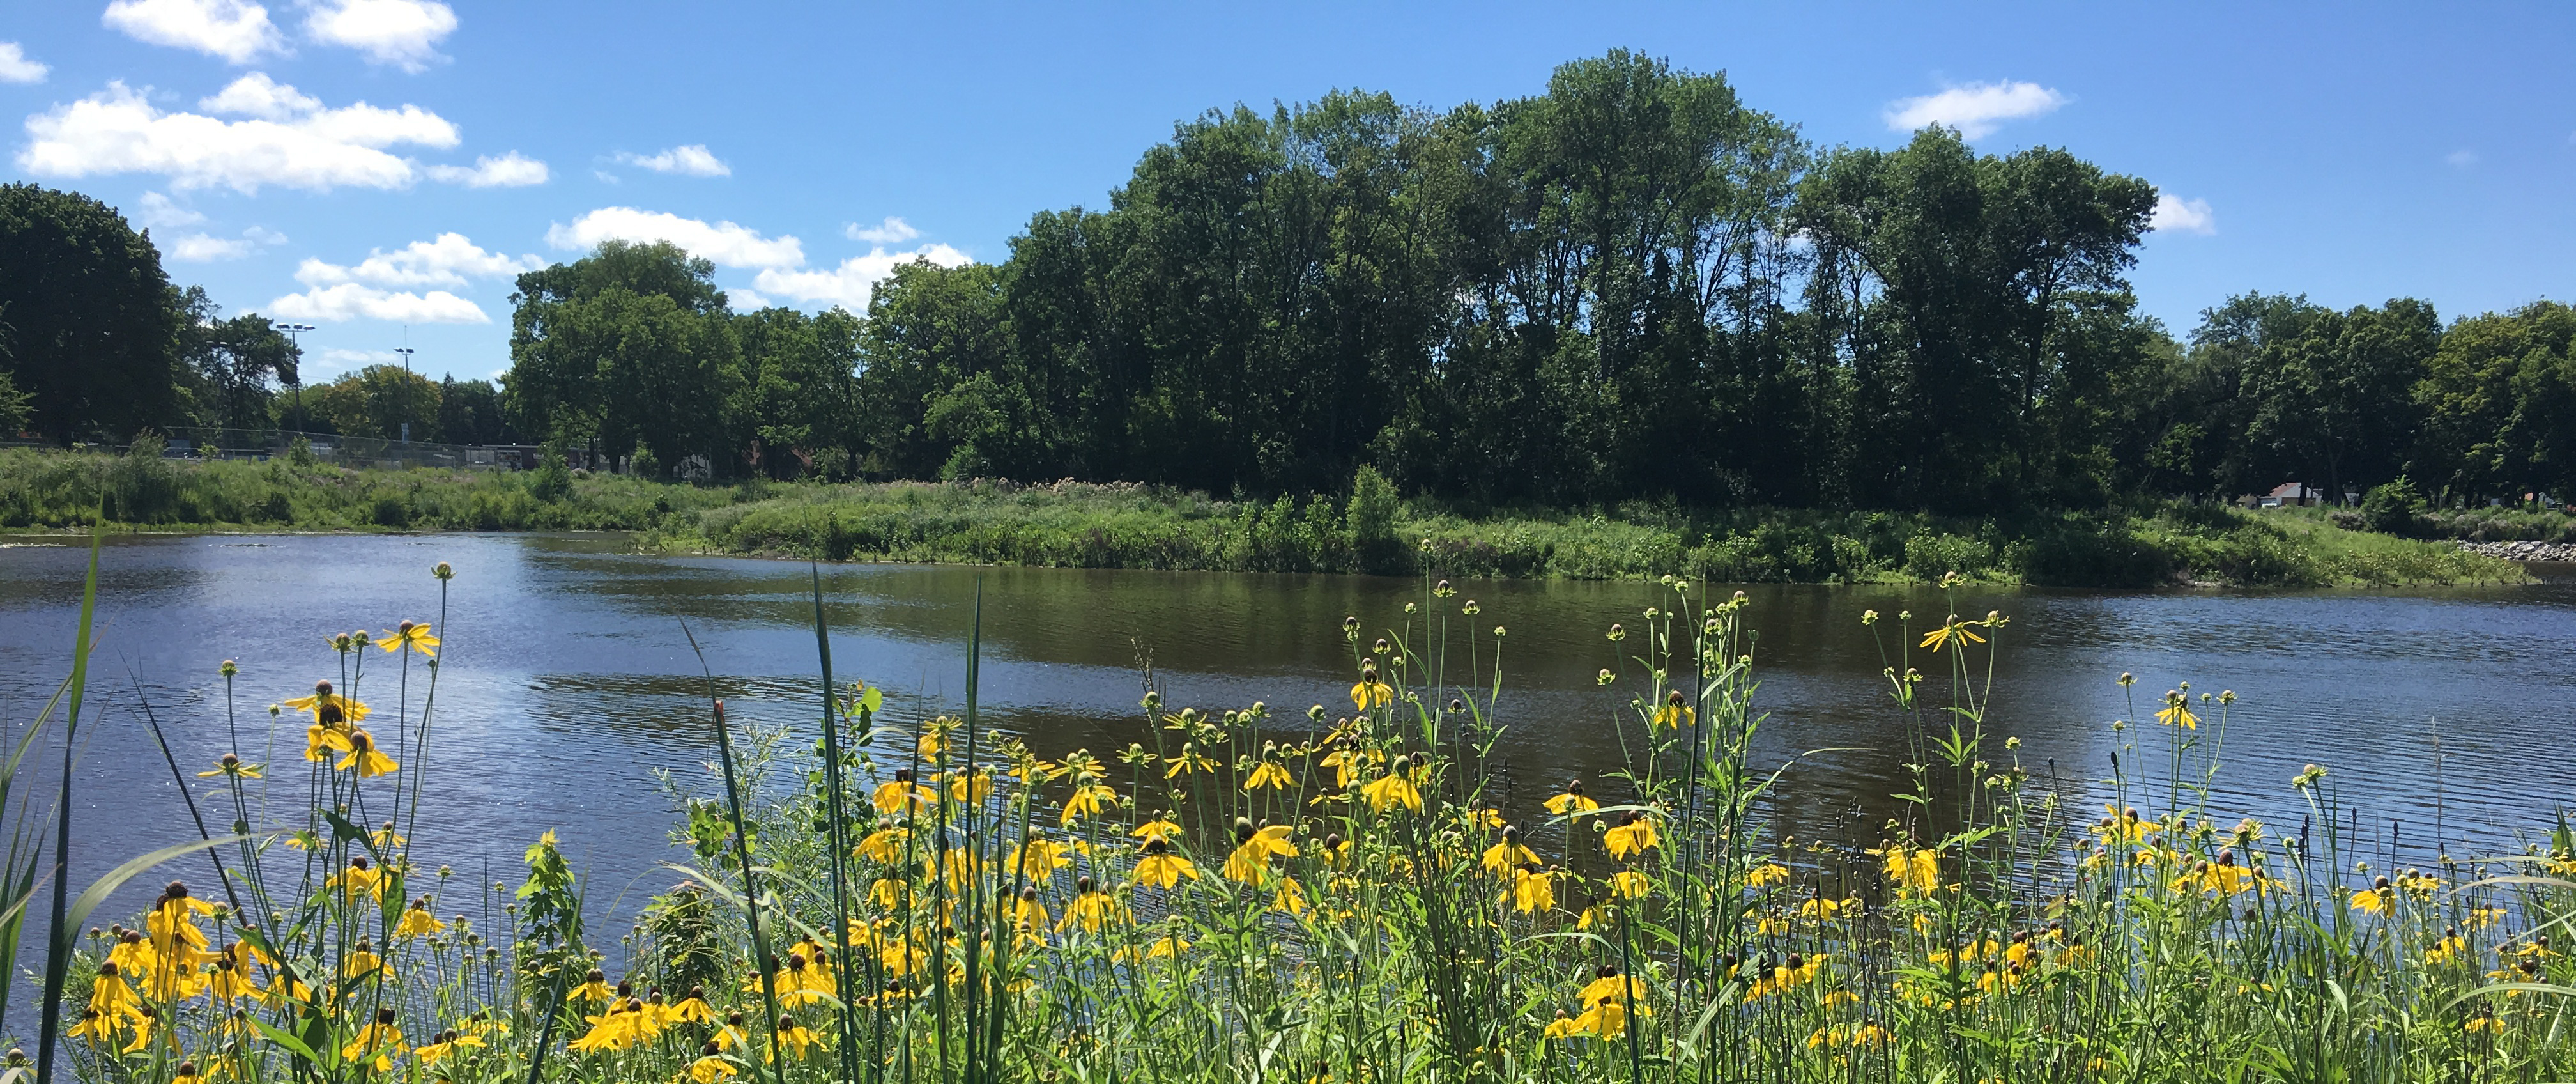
(1127, 525)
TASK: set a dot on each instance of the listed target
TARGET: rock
(2524, 551)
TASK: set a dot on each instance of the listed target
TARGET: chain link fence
(194, 442)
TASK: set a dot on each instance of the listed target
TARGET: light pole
(293, 331)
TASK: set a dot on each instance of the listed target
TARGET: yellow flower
(1508, 854)
(1039, 858)
(1572, 801)
(2178, 712)
(885, 846)
(1531, 889)
(413, 636)
(359, 879)
(1634, 835)
(364, 757)
(1951, 632)
(711, 1068)
(1091, 908)
(894, 795)
(2379, 899)
(1798, 971)
(1268, 774)
(320, 739)
(1252, 858)
(1915, 872)
(1628, 884)
(1088, 801)
(1162, 827)
(1676, 712)
(380, 1042)
(1291, 897)
(231, 766)
(1392, 789)
(2482, 1022)
(327, 707)
(970, 788)
(1190, 760)
(1161, 866)
(1766, 875)
(1369, 692)
(1028, 913)
(444, 1044)
(417, 921)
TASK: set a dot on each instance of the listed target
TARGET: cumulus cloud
(1975, 109)
(16, 68)
(403, 33)
(161, 211)
(2175, 214)
(892, 231)
(232, 29)
(207, 248)
(357, 301)
(449, 260)
(850, 284)
(693, 160)
(288, 138)
(511, 170)
(726, 243)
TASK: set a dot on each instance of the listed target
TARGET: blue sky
(2350, 152)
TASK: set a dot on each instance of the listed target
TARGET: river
(567, 680)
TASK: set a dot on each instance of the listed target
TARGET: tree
(630, 345)
(377, 402)
(800, 387)
(469, 412)
(2499, 396)
(235, 362)
(94, 326)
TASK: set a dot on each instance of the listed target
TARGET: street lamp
(406, 353)
(293, 331)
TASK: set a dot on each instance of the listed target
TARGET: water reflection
(568, 681)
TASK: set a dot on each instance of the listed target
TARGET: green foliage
(94, 327)
(1371, 515)
(2391, 507)
(378, 401)
(15, 413)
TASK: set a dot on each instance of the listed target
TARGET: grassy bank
(1134, 526)
(1336, 895)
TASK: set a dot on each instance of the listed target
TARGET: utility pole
(293, 333)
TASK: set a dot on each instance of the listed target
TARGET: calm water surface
(568, 681)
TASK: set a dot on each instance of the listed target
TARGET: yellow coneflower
(1028, 913)
(885, 846)
(1268, 774)
(1953, 631)
(1914, 871)
(2177, 711)
(1161, 866)
(692, 1009)
(413, 635)
(1508, 854)
(364, 757)
(594, 987)
(2378, 899)
(1766, 875)
(1635, 835)
(1676, 712)
(1289, 897)
(1572, 801)
(1038, 858)
(1531, 889)
(1091, 908)
(1346, 763)
(361, 878)
(894, 795)
(1190, 760)
(232, 767)
(1251, 857)
(322, 739)
(1369, 692)
(963, 787)
(379, 1042)
(417, 921)
(1394, 788)
(1088, 801)
(326, 706)
(1628, 884)
(712, 1066)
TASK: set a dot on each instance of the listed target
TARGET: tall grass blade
(58, 958)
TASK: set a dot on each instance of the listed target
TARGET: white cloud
(16, 68)
(892, 231)
(161, 211)
(354, 301)
(202, 248)
(2461, 159)
(447, 261)
(232, 29)
(2175, 214)
(264, 235)
(404, 33)
(289, 139)
(511, 170)
(693, 160)
(341, 355)
(1975, 109)
(850, 284)
(745, 300)
(605, 176)
(726, 243)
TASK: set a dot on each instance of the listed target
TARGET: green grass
(1125, 525)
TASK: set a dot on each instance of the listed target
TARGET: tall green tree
(630, 346)
(93, 327)
(2499, 397)
(238, 364)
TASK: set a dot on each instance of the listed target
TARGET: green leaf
(65, 935)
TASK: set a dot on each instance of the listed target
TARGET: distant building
(2293, 494)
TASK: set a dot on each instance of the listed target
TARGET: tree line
(1629, 287)
(98, 344)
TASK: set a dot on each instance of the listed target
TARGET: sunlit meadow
(1307, 895)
